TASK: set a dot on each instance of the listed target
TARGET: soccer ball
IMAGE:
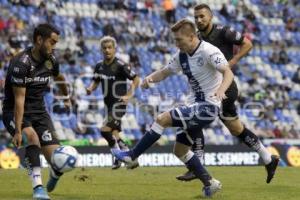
(64, 158)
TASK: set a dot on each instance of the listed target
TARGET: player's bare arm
(134, 84)
(245, 47)
(92, 87)
(19, 93)
(227, 80)
(156, 76)
(63, 88)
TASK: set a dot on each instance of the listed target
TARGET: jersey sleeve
(216, 58)
(96, 75)
(19, 74)
(233, 36)
(174, 63)
(129, 73)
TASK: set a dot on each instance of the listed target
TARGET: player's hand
(17, 139)
(125, 99)
(146, 83)
(220, 95)
(88, 91)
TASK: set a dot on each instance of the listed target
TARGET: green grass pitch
(156, 183)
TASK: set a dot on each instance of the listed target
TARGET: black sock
(32, 156)
(108, 136)
(250, 139)
(198, 145)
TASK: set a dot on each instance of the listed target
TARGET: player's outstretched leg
(192, 162)
(32, 161)
(198, 149)
(130, 157)
(271, 168)
(53, 179)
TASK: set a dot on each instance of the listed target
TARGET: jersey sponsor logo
(46, 137)
(16, 80)
(37, 79)
(103, 76)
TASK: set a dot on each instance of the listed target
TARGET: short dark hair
(44, 30)
(201, 6)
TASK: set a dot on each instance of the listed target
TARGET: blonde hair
(185, 23)
(108, 38)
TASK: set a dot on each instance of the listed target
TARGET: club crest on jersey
(114, 68)
(49, 64)
(200, 61)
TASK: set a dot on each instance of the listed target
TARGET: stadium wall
(215, 155)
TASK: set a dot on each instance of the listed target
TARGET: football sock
(56, 174)
(193, 163)
(147, 140)
(252, 141)
(198, 145)
(122, 144)
(108, 136)
(33, 164)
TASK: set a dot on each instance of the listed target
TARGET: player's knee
(32, 137)
(163, 120)
(235, 127)
(179, 152)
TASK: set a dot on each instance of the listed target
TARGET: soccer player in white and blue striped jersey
(209, 76)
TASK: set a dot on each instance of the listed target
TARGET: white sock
(264, 154)
(35, 176)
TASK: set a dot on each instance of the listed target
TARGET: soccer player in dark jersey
(24, 111)
(112, 73)
(225, 38)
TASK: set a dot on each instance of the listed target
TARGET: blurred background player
(199, 61)
(27, 79)
(113, 73)
(225, 38)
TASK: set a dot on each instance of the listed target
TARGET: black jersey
(24, 71)
(113, 79)
(224, 38)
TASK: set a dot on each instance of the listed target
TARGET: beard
(203, 29)
(43, 53)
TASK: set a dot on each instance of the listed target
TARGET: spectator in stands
(134, 58)
(293, 133)
(296, 76)
(170, 10)
(291, 25)
(283, 56)
(274, 57)
(223, 11)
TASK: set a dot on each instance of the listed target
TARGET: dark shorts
(197, 115)
(114, 116)
(228, 109)
(41, 123)
(189, 137)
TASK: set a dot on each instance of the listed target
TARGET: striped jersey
(200, 67)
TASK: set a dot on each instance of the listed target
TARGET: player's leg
(32, 153)
(192, 162)
(150, 137)
(45, 130)
(197, 148)
(229, 116)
